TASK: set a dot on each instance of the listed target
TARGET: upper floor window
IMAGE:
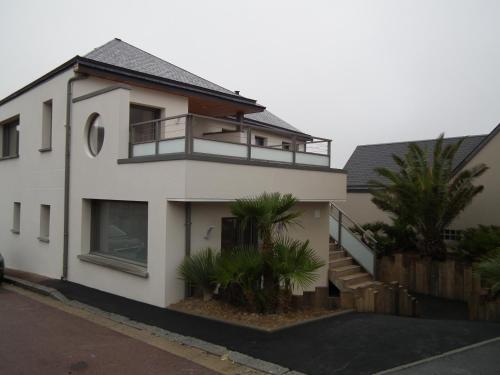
(286, 145)
(260, 141)
(95, 134)
(46, 126)
(10, 138)
(138, 114)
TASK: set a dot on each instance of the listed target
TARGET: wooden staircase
(359, 290)
(344, 273)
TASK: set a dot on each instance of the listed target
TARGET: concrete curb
(264, 330)
(217, 350)
(442, 355)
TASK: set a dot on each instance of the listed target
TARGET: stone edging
(220, 351)
(264, 330)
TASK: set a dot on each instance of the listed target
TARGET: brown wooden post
(294, 147)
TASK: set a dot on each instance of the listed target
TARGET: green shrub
(239, 272)
(388, 238)
(489, 270)
(294, 264)
(476, 243)
(199, 271)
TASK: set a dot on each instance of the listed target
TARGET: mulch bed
(215, 309)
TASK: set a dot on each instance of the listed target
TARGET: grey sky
(356, 71)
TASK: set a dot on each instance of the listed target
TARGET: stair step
(355, 278)
(336, 254)
(333, 246)
(361, 285)
(345, 261)
(345, 270)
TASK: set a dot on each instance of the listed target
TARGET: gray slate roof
(271, 119)
(360, 166)
(121, 54)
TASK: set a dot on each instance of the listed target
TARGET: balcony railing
(201, 135)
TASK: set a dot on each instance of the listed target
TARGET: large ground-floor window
(120, 229)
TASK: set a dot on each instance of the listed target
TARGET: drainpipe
(67, 159)
(187, 242)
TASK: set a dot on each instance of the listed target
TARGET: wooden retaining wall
(381, 298)
(449, 279)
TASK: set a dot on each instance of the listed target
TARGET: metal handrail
(363, 231)
(232, 122)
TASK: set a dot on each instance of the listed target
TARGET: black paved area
(347, 344)
(483, 359)
(440, 308)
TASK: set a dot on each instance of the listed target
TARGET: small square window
(286, 145)
(260, 141)
(44, 223)
(16, 220)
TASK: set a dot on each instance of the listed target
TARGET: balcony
(198, 137)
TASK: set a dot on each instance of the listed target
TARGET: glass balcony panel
(172, 146)
(144, 149)
(205, 146)
(269, 154)
(312, 159)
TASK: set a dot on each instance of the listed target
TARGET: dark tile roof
(267, 117)
(360, 166)
(121, 54)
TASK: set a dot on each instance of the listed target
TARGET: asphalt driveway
(347, 344)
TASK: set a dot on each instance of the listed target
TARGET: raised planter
(450, 279)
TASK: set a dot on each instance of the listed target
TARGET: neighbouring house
(117, 164)
(485, 208)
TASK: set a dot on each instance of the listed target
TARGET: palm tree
(269, 212)
(425, 193)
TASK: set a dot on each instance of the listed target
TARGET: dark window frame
(260, 141)
(95, 231)
(239, 236)
(8, 128)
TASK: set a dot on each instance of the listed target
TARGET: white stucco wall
(485, 208)
(38, 178)
(33, 179)
(360, 208)
(313, 226)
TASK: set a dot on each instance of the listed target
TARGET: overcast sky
(358, 72)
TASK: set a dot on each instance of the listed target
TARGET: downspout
(67, 168)
(187, 241)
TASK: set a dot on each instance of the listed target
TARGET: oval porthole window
(95, 134)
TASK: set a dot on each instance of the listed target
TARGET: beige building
(117, 164)
(485, 209)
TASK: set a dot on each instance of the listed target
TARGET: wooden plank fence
(450, 279)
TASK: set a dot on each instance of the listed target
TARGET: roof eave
(477, 149)
(266, 125)
(61, 68)
(132, 74)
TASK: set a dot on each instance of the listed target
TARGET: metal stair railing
(354, 243)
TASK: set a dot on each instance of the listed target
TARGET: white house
(117, 164)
